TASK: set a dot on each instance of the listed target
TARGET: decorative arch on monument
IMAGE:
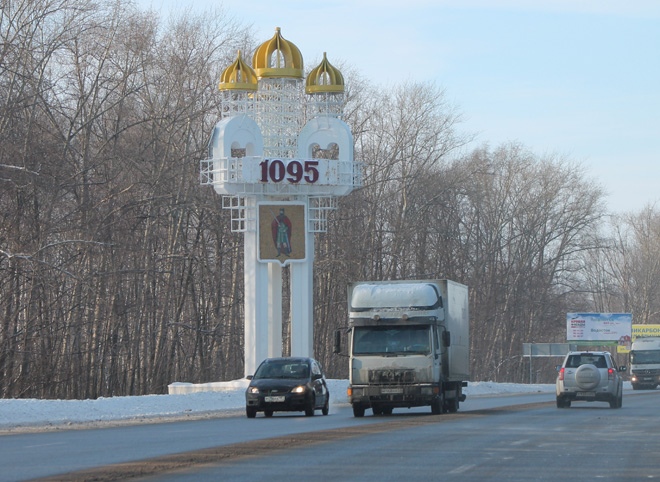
(331, 151)
(327, 134)
(238, 136)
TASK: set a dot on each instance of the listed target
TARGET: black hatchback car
(291, 384)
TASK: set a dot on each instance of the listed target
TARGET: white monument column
(302, 304)
(256, 307)
(274, 310)
(280, 156)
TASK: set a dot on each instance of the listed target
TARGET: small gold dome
(278, 58)
(324, 78)
(238, 76)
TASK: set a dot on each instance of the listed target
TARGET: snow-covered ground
(17, 414)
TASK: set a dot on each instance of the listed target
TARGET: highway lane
(536, 443)
(31, 455)
(28, 456)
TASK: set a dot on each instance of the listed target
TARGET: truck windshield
(645, 356)
(372, 340)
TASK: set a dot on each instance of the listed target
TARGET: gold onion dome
(238, 76)
(288, 61)
(324, 78)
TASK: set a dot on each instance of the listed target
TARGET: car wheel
(387, 411)
(358, 411)
(309, 411)
(326, 407)
(562, 403)
(268, 413)
(251, 412)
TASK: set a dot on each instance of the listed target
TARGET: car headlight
(299, 389)
(253, 390)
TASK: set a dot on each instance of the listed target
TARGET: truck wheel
(437, 406)
(358, 411)
(452, 405)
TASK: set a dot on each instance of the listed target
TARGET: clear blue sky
(576, 78)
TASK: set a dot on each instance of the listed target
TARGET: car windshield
(645, 356)
(283, 369)
(378, 340)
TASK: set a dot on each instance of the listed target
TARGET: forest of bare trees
(119, 273)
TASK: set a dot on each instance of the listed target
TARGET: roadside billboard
(599, 328)
(640, 331)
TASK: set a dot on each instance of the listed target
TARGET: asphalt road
(526, 443)
(491, 438)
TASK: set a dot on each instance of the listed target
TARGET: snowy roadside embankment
(200, 400)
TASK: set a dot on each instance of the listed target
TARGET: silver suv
(590, 376)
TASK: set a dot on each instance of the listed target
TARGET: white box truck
(645, 363)
(408, 345)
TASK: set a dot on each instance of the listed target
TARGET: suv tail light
(561, 373)
(610, 373)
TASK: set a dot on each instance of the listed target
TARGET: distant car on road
(290, 384)
(589, 376)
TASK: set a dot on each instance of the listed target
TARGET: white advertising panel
(599, 328)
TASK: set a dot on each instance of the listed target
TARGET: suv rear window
(575, 361)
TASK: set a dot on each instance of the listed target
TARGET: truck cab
(408, 345)
(645, 363)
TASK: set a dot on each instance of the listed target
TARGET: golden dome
(238, 76)
(284, 54)
(324, 78)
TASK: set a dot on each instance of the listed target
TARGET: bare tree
(118, 270)
(528, 222)
(408, 135)
(632, 265)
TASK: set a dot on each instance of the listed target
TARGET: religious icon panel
(282, 232)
